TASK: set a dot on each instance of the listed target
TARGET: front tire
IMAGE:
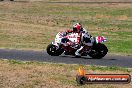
(98, 51)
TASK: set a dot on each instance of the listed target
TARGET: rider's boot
(80, 50)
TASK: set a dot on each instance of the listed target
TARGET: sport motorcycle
(72, 41)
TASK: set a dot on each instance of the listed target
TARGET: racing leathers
(85, 41)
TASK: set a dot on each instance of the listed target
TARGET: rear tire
(51, 50)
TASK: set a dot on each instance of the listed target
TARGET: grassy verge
(33, 25)
(20, 74)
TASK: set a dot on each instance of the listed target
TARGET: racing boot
(81, 49)
(78, 52)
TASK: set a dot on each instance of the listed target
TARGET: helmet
(77, 27)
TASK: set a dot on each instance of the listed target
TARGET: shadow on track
(84, 57)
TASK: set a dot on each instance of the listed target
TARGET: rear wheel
(53, 51)
(98, 51)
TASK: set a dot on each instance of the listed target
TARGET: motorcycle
(56, 48)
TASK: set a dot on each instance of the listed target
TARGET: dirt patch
(122, 17)
(15, 74)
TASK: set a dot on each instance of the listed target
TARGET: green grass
(33, 25)
(87, 67)
(23, 74)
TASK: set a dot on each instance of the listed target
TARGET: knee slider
(86, 40)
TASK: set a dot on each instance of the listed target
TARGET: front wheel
(98, 51)
(53, 51)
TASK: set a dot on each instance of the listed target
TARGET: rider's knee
(86, 39)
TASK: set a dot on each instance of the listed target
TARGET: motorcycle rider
(85, 40)
(76, 29)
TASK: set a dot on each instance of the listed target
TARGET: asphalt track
(108, 60)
